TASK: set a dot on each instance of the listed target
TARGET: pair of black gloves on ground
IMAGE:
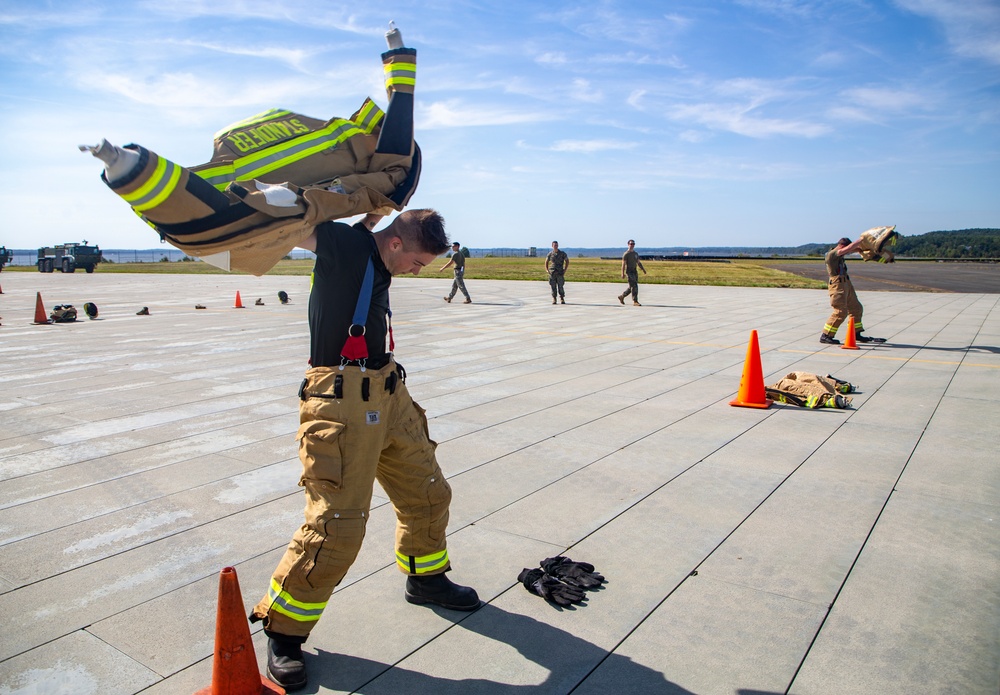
(560, 580)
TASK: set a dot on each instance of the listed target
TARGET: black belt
(395, 377)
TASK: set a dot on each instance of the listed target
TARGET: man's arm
(639, 263)
(370, 220)
(309, 243)
(850, 248)
(450, 261)
(623, 266)
(547, 258)
(566, 264)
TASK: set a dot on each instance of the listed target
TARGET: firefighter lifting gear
(273, 177)
(549, 588)
(285, 665)
(579, 574)
(438, 590)
(811, 391)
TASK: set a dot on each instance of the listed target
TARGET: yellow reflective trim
(151, 183)
(423, 564)
(401, 80)
(412, 67)
(175, 176)
(276, 588)
(244, 174)
(256, 118)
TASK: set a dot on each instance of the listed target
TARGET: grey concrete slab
(76, 663)
(711, 637)
(47, 554)
(971, 477)
(939, 563)
(802, 544)
(592, 428)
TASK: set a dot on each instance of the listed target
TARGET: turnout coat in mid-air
(273, 177)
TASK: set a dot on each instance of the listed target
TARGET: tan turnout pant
(345, 444)
(845, 303)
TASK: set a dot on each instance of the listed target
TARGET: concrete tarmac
(747, 551)
(909, 276)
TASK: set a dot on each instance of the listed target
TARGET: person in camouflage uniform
(630, 269)
(556, 264)
(458, 260)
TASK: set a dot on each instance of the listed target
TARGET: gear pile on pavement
(561, 581)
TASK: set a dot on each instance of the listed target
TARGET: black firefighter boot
(285, 665)
(441, 591)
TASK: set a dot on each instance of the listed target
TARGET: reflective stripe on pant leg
(284, 603)
(425, 564)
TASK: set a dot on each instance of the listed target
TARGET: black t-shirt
(342, 254)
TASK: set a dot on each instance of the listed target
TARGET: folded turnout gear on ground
(579, 574)
(875, 243)
(63, 313)
(549, 588)
(811, 391)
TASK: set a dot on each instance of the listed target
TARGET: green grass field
(735, 272)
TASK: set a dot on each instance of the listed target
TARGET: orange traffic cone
(234, 666)
(850, 340)
(41, 318)
(239, 302)
(751, 394)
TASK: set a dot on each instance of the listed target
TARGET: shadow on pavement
(565, 658)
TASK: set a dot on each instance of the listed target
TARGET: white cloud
(971, 26)
(737, 119)
(590, 146)
(582, 91)
(552, 58)
(453, 114)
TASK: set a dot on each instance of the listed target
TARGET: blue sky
(738, 123)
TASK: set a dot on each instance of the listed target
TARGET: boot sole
(287, 686)
(422, 601)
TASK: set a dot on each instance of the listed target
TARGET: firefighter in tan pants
(359, 424)
(843, 298)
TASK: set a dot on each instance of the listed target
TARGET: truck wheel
(41, 265)
(90, 268)
(67, 266)
(47, 265)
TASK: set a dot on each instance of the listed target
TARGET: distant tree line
(963, 243)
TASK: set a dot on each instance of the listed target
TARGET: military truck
(68, 257)
(6, 256)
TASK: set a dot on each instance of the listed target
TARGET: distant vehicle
(5, 256)
(68, 257)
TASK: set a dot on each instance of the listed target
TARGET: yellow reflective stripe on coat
(161, 184)
(369, 116)
(829, 329)
(400, 73)
(282, 602)
(258, 118)
(423, 564)
(273, 158)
